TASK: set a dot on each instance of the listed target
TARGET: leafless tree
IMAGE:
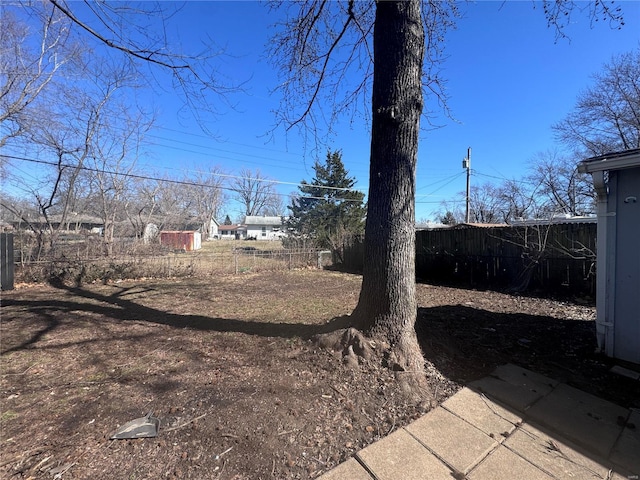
(392, 37)
(142, 206)
(277, 207)
(133, 32)
(559, 13)
(58, 192)
(517, 199)
(552, 187)
(50, 89)
(207, 196)
(606, 117)
(42, 42)
(173, 204)
(115, 151)
(255, 192)
(491, 203)
(29, 62)
(560, 188)
(91, 136)
(486, 204)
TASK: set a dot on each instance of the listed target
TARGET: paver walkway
(513, 424)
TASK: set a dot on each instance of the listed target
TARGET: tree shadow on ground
(119, 308)
(467, 343)
(462, 342)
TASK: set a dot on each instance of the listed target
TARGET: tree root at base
(404, 359)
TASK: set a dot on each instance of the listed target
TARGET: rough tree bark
(387, 305)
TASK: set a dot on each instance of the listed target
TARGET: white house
(264, 228)
(208, 229)
(616, 177)
(213, 230)
(232, 232)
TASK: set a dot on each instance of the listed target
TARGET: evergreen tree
(327, 210)
(227, 220)
(448, 218)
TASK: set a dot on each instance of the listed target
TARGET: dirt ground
(227, 366)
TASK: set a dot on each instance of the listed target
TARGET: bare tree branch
(560, 12)
(146, 55)
(203, 88)
(254, 191)
(606, 117)
(28, 68)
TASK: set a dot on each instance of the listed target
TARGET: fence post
(235, 261)
(6, 261)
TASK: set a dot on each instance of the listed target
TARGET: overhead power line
(521, 182)
(179, 182)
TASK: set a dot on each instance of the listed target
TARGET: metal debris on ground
(143, 427)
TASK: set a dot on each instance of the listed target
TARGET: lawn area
(227, 365)
(226, 246)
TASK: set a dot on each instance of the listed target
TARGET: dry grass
(217, 257)
(228, 246)
(225, 362)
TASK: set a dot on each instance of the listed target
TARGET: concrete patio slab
(625, 372)
(350, 469)
(526, 427)
(400, 456)
(563, 460)
(626, 452)
(515, 386)
(477, 409)
(503, 464)
(525, 378)
(456, 442)
(589, 421)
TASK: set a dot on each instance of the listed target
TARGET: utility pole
(466, 163)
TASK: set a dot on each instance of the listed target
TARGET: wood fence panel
(556, 258)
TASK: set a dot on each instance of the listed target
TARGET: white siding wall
(264, 232)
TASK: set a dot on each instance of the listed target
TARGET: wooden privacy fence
(552, 258)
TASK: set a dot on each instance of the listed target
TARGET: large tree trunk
(387, 305)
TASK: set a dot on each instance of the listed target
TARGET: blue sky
(507, 77)
(508, 80)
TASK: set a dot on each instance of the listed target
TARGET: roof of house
(230, 228)
(555, 220)
(73, 218)
(430, 226)
(479, 225)
(611, 161)
(262, 220)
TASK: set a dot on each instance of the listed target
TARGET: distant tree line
(76, 138)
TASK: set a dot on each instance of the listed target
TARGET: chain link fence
(174, 264)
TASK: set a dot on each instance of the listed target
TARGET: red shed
(181, 240)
